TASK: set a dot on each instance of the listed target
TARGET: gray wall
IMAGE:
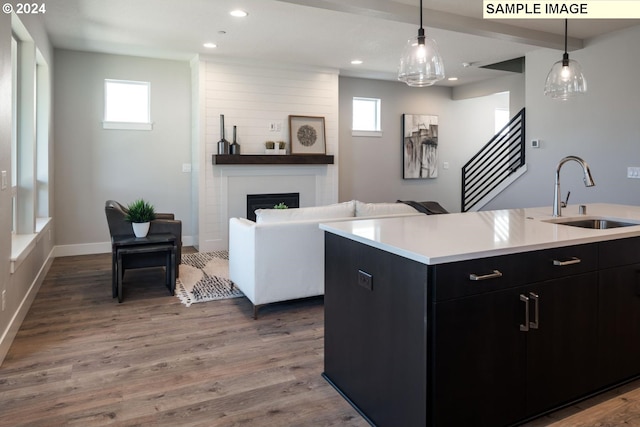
(603, 127)
(371, 168)
(93, 165)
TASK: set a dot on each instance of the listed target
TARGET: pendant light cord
(566, 26)
(421, 29)
(565, 57)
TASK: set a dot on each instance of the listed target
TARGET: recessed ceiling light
(452, 79)
(356, 62)
(210, 45)
(238, 13)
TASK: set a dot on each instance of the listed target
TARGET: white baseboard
(14, 324)
(97, 248)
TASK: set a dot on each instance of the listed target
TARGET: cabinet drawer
(455, 280)
(615, 253)
(560, 262)
(464, 278)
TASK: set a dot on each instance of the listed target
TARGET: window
(31, 111)
(501, 119)
(366, 117)
(127, 105)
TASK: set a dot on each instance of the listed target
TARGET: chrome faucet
(588, 182)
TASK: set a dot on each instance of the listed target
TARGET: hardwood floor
(82, 359)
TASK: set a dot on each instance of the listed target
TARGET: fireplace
(268, 201)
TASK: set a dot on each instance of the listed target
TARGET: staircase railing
(492, 165)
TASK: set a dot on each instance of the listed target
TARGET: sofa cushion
(338, 210)
(379, 209)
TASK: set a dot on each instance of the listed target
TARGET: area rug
(204, 276)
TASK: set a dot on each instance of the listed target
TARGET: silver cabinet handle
(525, 327)
(493, 275)
(571, 261)
(536, 311)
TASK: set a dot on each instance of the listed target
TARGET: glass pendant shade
(421, 64)
(565, 80)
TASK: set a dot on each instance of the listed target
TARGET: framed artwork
(307, 135)
(419, 146)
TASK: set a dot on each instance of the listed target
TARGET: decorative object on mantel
(282, 147)
(307, 135)
(270, 147)
(140, 214)
(234, 148)
(223, 144)
(420, 146)
(204, 276)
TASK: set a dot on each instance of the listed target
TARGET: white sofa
(280, 257)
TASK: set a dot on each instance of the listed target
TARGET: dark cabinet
(560, 352)
(478, 361)
(375, 341)
(518, 351)
(619, 311)
(484, 342)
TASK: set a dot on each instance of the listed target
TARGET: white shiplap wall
(252, 97)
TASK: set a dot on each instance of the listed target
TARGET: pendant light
(565, 80)
(421, 64)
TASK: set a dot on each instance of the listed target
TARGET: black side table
(123, 246)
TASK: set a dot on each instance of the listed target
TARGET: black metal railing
(493, 164)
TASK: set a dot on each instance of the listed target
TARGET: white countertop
(437, 239)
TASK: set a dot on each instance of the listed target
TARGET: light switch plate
(4, 180)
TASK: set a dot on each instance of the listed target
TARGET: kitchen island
(487, 318)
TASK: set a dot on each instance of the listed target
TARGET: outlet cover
(633, 172)
(365, 280)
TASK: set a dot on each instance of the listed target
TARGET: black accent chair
(164, 223)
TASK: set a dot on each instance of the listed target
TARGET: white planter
(270, 151)
(140, 229)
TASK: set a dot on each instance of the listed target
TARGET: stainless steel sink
(593, 223)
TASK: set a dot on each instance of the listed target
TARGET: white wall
(603, 127)
(371, 167)
(251, 98)
(93, 165)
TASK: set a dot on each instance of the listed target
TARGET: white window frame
(145, 124)
(14, 135)
(377, 132)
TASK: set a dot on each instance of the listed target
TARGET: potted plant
(140, 213)
(282, 147)
(269, 147)
(281, 205)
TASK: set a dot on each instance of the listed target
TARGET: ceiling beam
(399, 12)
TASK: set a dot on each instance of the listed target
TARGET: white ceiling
(319, 33)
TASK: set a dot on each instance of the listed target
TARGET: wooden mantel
(260, 159)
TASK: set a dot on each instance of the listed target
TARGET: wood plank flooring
(82, 359)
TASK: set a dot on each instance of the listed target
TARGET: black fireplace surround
(268, 201)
